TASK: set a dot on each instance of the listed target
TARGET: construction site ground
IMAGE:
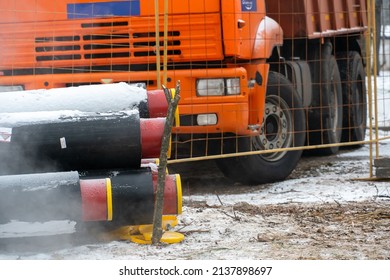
(326, 209)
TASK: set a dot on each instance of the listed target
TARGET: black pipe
(72, 143)
(129, 199)
(40, 197)
(133, 198)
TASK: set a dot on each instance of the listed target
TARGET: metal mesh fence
(378, 80)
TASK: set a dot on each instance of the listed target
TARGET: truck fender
(269, 34)
(299, 73)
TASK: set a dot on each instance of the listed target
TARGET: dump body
(318, 18)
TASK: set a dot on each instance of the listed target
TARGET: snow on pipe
(124, 199)
(73, 140)
(89, 98)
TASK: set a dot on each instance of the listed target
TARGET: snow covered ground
(327, 209)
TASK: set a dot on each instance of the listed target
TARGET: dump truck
(259, 78)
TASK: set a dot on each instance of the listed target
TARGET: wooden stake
(159, 203)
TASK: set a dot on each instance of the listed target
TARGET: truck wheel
(326, 112)
(283, 127)
(354, 96)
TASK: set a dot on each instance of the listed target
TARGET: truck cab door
(241, 19)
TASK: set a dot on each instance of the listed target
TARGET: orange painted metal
(318, 18)
(239, 41)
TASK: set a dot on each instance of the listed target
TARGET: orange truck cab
(229, 55)
(66, 43)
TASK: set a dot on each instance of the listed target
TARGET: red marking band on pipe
(172, 195)
(157, 104)
(152, 131)
(94, 200)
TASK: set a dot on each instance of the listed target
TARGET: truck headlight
(210, 87)
(233, 86)
(218, 87)
(207, 119)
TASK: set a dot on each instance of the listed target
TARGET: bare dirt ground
(323, 231)
(326, 227)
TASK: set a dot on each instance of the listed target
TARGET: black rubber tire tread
(253, 170)
(353, 78)
(325, 74)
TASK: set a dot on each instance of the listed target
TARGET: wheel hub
(276, 128)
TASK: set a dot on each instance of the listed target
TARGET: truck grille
(108, 43)
(103, 45)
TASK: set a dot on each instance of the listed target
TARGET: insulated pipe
(172, 188)
(128, 198)
(74, 143)
(124, 199)
(91, 98)
(40, 197)
(62, 141)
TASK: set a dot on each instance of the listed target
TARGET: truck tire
(283, 127)
(353, 78)
(326, 113)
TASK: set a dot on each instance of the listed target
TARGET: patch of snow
(91, 98)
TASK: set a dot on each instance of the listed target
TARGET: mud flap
(298, 72)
